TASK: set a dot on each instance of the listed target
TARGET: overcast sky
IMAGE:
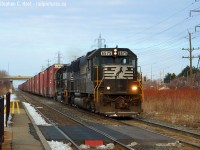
(155, 30)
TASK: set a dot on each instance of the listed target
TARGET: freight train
(105, 80)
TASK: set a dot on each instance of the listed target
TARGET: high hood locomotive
(105, 81)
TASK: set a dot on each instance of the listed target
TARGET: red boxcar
(41, 76)
(37, 84)
(46, 82)
(49, 81)
(32, 85)
(26, 86)
(21, 86)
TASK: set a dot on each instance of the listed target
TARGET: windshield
(114, 60)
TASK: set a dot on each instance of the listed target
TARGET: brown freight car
(49, 80)
(41, 76)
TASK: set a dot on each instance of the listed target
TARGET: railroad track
(118, 145)
(194, 136)
(183, 140)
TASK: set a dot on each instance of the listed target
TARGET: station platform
(20, 134)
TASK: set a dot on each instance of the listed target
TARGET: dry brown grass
(180, 106)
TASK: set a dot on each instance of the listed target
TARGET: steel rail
(94, 129)
(66, 136)
(195, 135)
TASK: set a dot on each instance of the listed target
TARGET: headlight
(108, 87)
(134, 88)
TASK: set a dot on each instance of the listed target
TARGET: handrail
(98, 88)
(97, 82)
(140, 85)
(96, 96)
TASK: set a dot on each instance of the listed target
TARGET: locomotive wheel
(55, 97)
(67, 100)
(88, 106)
(93, 109)
(71, 102)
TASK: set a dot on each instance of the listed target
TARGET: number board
(58, 66)
(106, 53)
(122, 53)
(110, 53)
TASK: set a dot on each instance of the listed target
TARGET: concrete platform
(21, 135)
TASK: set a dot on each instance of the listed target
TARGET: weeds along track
(61, 120)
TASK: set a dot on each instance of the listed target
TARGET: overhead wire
(174, 42)
(160, 22)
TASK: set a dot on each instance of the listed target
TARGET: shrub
(174, 105)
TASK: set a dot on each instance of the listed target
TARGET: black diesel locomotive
(106, 81)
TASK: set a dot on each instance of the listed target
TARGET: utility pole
(196, 27)
(100, 41)
(190, 51)
(198, 62)
(193, 11)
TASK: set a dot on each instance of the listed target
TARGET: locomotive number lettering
(106, 53)
(122, 53)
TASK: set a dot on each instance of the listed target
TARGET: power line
(171, 40)
(158, 33)
(160, 22)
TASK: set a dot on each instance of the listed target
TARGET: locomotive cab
(117, 90)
